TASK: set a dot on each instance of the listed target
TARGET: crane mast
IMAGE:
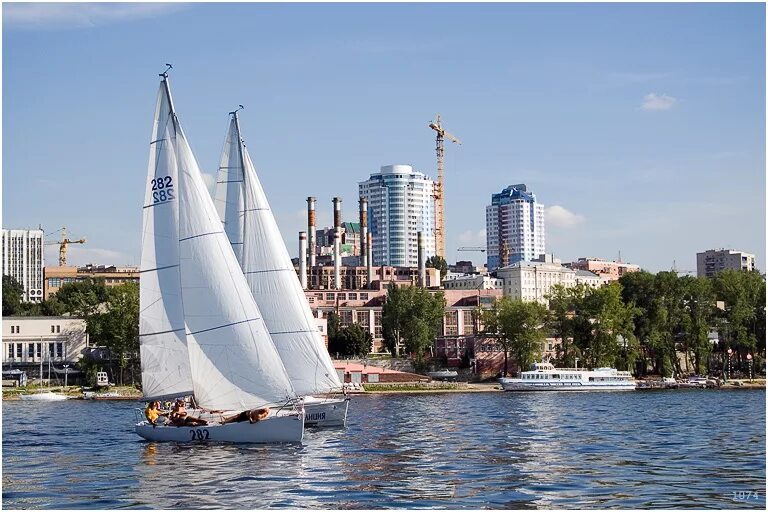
(439, 193)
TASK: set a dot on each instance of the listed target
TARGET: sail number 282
(162, 189)
(199, 434)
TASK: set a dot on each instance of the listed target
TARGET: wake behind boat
(200, 329)
(545, 377)
(44, 396)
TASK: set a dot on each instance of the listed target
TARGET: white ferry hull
(518, 385)
(330, 412)
(279, 429)
(44, 397)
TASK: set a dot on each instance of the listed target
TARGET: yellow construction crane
(63, 243)
(440, 185)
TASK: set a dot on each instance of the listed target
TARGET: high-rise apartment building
(22, 255)
(400, 204)
(514, 222)
(710, 262)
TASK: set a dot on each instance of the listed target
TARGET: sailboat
(201, 332)
(255, 237)
(44, 396)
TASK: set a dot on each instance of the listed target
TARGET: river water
(660, 449)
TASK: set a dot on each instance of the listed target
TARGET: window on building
(19, 350)
(328, 296)
(31, 350)
(53, 329)
(10, 351)
(59, 350)
(51, 349)
(39, 347)
(58, 329)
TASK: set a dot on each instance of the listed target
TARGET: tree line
(111, 315)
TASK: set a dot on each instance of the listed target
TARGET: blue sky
(641, 127)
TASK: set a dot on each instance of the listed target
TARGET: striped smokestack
(337, 243)
(303, 259)
(311, 231)
(363, 230)
(369, 262)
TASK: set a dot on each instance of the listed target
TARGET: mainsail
(232, 361)
(164, 360)
(251, 226)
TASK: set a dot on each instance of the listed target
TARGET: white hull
(44, 397)
(320, 412)
(519, 385)
(279, 429)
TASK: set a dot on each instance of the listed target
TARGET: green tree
(118, 326)
(411, 319)
(699, 307)
(351, 341)
(743, 319)
(13, 291)
(439, 263)
(609, 339)
(563, 303)
(518, 326)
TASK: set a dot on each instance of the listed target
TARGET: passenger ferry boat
(545, 377)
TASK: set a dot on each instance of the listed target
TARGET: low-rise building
(56, 277)
(321, 277)
(710, 262)
(590, 279)
(607, 270)
(30, 340)
(471, 282)
(533, 280)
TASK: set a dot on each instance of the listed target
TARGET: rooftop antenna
(164, 74)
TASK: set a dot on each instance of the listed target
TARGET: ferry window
(591, 379)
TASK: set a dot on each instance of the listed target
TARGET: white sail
(164, 360)
(272, 277)
(233, 361)
(229, 192)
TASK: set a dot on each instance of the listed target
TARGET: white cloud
(655, 101)
(80, 14)
(559, 217)
(473, 238)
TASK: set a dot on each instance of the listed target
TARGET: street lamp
(749, 358)
(66, 372)
(728, 375)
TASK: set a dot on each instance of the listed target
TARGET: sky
(640, 127)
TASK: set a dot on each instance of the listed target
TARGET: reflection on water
(703, 449)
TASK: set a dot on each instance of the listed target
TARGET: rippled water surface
(687, 448)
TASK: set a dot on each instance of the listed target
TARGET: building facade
(607, 270)
(514, 222)
(29, 340)
(400, 204)
(56, 277)
(710, 262)
(350, 240)
(22, 254)
(533, 280)
(471, 282)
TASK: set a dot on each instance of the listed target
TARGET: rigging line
(161, 332)
(271, 270)
(198, 236)
(152, 304)
(255, 210)
(230, 181)
(225, 325)
(168, 201)
(158, 268)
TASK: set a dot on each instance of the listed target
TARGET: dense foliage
(411, 318)
(350, 341)
(518, 326)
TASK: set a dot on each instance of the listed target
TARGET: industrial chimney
(337, 243)
(369, 258)
(303, 259)
(311, 231)
(363, 230)
(422, 262)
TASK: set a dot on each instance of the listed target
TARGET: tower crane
(440, 185)
(63, 243)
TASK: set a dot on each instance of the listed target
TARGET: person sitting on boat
(251, 416)
(154, 414)
(181, 418)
